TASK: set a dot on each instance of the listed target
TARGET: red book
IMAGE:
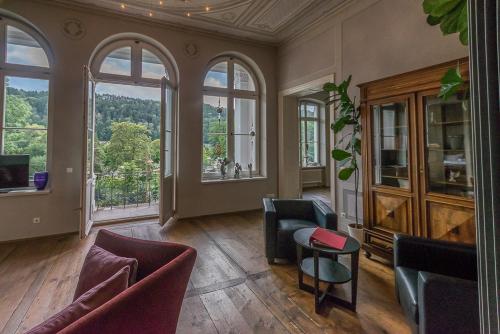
(324, 238)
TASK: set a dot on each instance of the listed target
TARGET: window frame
(317, 120)
(135, 78)
(231, 94)
(28, 72)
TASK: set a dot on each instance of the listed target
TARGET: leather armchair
(436, 284)
(283, 217)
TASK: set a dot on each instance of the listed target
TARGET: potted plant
(348, 148)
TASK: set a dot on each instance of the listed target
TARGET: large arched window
(25, 72)
(231, 118)
(132, 62)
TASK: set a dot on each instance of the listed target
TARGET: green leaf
(340, 155)
(450, 83)
(464, 37)
(357, 145)
(330, 87)
(444, 7)
(451, 22)
(345, 173)
(340, 123)
(432, 20)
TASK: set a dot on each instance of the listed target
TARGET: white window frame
(231, 93)
(303, 141)
(29, 72)
(135, 62)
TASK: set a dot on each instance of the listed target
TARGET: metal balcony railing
(118, 189)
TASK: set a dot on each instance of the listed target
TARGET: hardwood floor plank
(194, 318)
(232, 288)
(224, 313)
(255, 313)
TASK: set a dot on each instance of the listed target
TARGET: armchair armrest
(447, 304)
(270, 226)
(436, 256)
(324, 215)
(150, 255)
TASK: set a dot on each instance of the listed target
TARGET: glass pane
(449, 146)
(311, 110)
(27, 141)
(168, 153)
(245, 133)
(23, 49)
(217, 76)
(26, 103)
(242, 78)
(152, 66)
(214, 132)
(168, 132)
(118, 62)
(390, 144)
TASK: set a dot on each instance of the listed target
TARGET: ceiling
(263, 20)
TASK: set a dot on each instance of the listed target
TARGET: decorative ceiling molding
(271, 21)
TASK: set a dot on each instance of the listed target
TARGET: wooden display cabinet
(417, 160)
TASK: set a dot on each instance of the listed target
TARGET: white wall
(59, 209)
(368, 39)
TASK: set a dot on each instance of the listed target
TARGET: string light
(188, 14)
(150, 14)
(207, 8)
(122, 6)
(161, 3)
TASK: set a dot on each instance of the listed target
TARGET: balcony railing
(117, 189)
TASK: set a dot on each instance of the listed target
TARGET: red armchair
(150, 306)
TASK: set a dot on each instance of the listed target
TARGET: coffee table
(329, 269)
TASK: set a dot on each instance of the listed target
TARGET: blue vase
(40, 179)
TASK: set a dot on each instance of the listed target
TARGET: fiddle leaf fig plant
(347, 121)
(451, 15)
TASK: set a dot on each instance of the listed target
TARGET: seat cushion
(99, 265)
(292, 225)
(85, 304)
(285, 247)
(407, 285)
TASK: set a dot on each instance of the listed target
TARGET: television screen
(14, 171)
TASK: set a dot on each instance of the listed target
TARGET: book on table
(325, 238)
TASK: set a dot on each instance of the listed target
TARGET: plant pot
(356, 233)
(40, 180)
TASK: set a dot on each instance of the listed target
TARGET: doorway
(305, 142)
(129, 169)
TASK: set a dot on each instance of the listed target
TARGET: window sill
(243, 179)
(314, 167)
(25, 192)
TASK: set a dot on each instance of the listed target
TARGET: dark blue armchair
(283, 217)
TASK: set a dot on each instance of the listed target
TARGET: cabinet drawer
(453, 223)
(392, 213)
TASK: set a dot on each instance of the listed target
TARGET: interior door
(167, 154)
(88, 179)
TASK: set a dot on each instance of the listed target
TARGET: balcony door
(167, 152)
(88, 179)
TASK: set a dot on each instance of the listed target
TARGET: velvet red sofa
(150, 306)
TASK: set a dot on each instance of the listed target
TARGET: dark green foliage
(451, 83)
(451, 15)
(347, 116)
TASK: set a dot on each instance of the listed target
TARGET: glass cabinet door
(390, 144)
(448, 146)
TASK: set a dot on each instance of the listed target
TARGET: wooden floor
(232, 288)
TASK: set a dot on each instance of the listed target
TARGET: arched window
(132, 62)
(231, 118)
(25, 72)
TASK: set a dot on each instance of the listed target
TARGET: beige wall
(369, 39)
(59, 209)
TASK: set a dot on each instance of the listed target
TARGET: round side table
(329, 269)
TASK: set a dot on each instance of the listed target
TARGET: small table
(330, 270)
